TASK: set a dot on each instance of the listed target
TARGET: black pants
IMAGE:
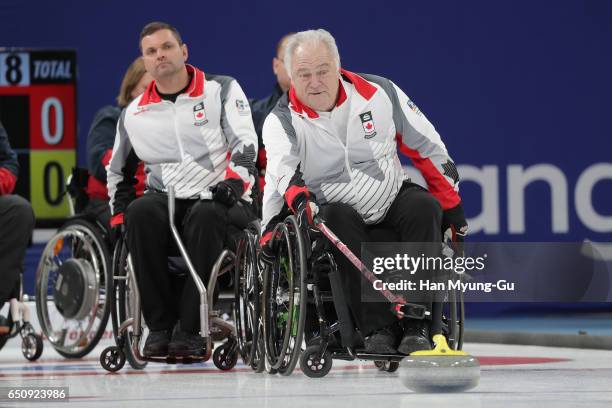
(16, 225)
(204, 226)
(414, 216)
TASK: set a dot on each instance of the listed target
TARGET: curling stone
(439, 370)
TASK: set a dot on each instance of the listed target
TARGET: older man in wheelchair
(332, 147)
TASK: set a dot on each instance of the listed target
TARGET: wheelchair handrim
(82, 234)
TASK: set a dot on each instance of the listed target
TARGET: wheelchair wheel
(112, 359)
(285, 299)
(225, 356)
(313, 364)
(388, 366)
(454, 319)
(32, 346)
(247, 293)
(122, 305)
(72, 283)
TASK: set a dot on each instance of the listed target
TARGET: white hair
(316, 36)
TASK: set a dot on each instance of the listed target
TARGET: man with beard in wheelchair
(332, 148)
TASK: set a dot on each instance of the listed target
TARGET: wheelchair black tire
(285, 358)
(313, 364)
(247, 299)
(119, 304)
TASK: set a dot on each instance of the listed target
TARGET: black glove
(306, 212)
(267, 255)
(454, 227)
(305, 209)
(116, 233)
(226, 192)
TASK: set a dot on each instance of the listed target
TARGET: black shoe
(382, 341)
(186, 344)
(416, 337)
(157, 344)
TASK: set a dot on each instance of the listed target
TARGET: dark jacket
(100, 139)
(260, 108)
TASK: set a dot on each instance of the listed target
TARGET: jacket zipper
(176, 131)
(346, 162)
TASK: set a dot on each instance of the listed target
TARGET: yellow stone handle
(441, 349)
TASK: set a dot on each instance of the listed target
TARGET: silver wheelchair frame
(212, 326)
(19, 324)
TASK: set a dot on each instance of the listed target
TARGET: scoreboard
(38, 111)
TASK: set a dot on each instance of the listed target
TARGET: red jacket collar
(299, 107)
(196, 87)
(341, 94)
(363, 87)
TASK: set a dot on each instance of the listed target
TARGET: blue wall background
(505, 82)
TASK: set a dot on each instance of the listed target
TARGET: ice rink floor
(512, 376)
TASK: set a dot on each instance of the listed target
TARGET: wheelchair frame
(248, 292)
(316, 359)
(18, 320)
(212, 327)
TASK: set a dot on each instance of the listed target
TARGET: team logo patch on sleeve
(414, 108)
(368, 124)
(242, 107)
(199, 114)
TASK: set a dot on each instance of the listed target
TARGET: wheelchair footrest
(362, 355)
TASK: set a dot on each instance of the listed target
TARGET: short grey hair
(320, 35)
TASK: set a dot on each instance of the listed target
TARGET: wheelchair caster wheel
(112, 359)
(388, 366)
(313, 364)
(32, 346)
(224, 357)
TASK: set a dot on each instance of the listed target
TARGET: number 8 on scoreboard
(38, 110)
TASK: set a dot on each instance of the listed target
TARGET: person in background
(260, 108)
(101, 138)
(16, 223)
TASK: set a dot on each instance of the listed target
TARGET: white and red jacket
(350, 154)
(204, 137)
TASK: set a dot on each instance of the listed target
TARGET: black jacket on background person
(260, 108)
(101, 137)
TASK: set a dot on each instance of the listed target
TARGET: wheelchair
(128, 324)
(248, 293)
(73, 278)
(17, 322)
(296, 281)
